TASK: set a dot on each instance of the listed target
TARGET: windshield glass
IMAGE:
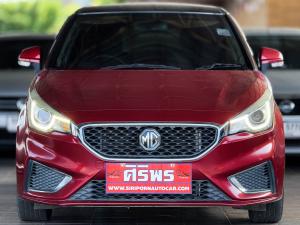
(148, 41)
(288, 45)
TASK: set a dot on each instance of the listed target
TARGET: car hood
(15, 83)
(148, 96)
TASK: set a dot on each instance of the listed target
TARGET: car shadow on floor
(145, 216)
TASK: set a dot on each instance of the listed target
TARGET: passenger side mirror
(30, 56)
(270, 58)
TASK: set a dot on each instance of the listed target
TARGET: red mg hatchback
(151, 105)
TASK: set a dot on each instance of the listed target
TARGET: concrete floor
(146, 216)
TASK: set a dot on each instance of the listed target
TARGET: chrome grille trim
(219, 136)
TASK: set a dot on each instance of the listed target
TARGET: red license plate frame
(148, 178)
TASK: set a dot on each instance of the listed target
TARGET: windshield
(288, 45)
(148, 41)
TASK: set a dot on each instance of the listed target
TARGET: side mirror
(30, 56)
(270, 58)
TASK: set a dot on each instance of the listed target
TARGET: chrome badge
(150, 139)
(287, 106)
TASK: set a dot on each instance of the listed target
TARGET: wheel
(28, 213)
(272, 214)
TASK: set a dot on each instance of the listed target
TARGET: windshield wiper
(141, 66)
(221, 66)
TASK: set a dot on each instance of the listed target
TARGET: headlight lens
(43, 118)
(258, 117)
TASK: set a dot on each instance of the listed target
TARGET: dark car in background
(15, 80)
(285, 81)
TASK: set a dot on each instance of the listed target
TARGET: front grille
(122, 141)
(256, 179)
(44, 179)
(202, 191)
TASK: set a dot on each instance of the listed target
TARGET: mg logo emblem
(150, 139)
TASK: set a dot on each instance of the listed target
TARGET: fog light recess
(42, 178)
(256, 179)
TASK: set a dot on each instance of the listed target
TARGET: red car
(151, 105)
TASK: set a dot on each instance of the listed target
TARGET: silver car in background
(285, 81)
(15, 80)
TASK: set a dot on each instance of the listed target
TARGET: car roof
(26, 37)
(152, 7)
(275, 31)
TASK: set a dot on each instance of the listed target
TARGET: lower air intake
(256, 179)
(202, 191)
(45, 179)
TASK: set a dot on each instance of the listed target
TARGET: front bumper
(232, 155)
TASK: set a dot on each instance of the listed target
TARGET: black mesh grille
(256, 179)
(176, 141)
(42, 178)
(202, 191)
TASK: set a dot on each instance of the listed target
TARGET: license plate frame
(148, 178)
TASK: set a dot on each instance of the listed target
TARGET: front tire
(272, 214)
(28, 213)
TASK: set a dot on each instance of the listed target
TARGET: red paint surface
(233, 154)
(32, 54)
(151, 96)
(270, 55)
(192, 96)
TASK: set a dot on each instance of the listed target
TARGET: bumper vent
(202, 191)
(122, 141)
(256, 179)
(44, 179)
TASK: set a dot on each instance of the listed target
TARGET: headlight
(43, 118)
(258, 117)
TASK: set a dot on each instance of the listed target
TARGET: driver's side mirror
(270, 58)
(30, 57)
